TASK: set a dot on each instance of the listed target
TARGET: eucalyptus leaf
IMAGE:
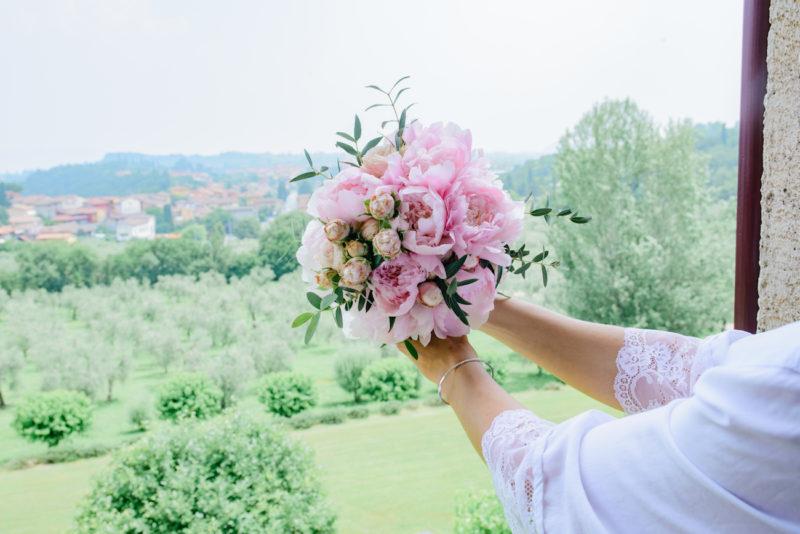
(398, 82)
(375, 87)
(312, 327)
(337, 315)
(372, 143)
(301, 319)
(304, 176)
(327, 301)
(347, 148)
(391, 323)
(314, 299)
(308, 158)
(400, 92)
(411, 349)
(467, 282)
(346, 136)
(544, 275)
(541, 212)
(357, 128)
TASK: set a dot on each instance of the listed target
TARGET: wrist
(461, 379)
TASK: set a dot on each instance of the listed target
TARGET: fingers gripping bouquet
(411, 238)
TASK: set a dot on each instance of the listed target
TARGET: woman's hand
(440, 355)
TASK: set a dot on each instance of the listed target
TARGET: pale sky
(82, 78)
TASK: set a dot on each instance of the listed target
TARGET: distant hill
(719, 143)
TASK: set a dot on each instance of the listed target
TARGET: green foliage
(480, 513)
(97, 179)
(280, 242)
(189, 396)
(389, 379)
(52, 266)
(140, 417)
(287, 393)
(227, 475)
(53, 416)
(150, 260)
(348, 370)
(247, 228)
(390, 408)
(500, 365)
(164, 222)
(534, 176)
(358, 412)
(659, 251)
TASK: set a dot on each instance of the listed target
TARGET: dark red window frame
(751, 162)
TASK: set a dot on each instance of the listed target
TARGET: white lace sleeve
(654, 368)
(512, 448)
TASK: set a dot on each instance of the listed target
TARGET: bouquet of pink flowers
(411, 238)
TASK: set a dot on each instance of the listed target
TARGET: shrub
(287, 393)
(390, 408)
(389, 379)
(189, 396)
(500, 366)
(359, 412)
(227, 475)
(480, 513)
(140, 417)
(332, 417)
(303, 420)
(53, 416)
(348, 370)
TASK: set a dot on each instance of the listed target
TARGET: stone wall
(779, 282)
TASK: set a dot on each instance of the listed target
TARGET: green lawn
(389, 474)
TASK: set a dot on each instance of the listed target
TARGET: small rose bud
(324, 278)
(369, 228)
(387, 243)
(338, 256)
(336, 230)
(429, 294)
(355, 272)
(381, 206)
(375, 161)
(356, 249)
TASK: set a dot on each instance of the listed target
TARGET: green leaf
(400, 92)
(337, 315)
(451, 289)
(544, 275)
(304, 176)
(580, 220)
(375, 87)
(327, 301)
(302, 319)
(565, 211)
(357, 128)
(499, 275)
(323, 169)
(453, 267)
(384, 123)
(539, 257)
(308, 158)
(402, 123)
(467, 282)
(347, 148)
(376, 106)
(410, 348)
(314, 299)
(405, 109)
(398, 82)
(391, 322)
(540, 212)
(372, 143)
(346, 136)
(312, 327)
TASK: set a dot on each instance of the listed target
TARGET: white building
(130, 205)
(136, 227)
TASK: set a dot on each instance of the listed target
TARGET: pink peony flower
(369, 228)
(387, 243)
(355, 272)
(344, 196)
(315, 252)
(394, 285)
(422, 218)
(439, 143)
(482, 218)
(336, 230)
(381, 204)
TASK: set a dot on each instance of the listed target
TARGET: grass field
(389, 474)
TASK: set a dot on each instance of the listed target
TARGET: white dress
(712, 445)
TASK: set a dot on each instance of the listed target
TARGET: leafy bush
(189, 396)
(333, 417)
(140, 417)
(303, 420)
(53, 416)
(390, 408)
(358, 412)
(287, 393)
(389, 379)
(280, 241)
(480, 513)
(65, 453)
(500, 366)
(227, 475)
(348, 370)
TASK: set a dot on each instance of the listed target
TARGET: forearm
(476, 399)
(580, 353)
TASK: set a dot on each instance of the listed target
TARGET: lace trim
(512, 449)
(654, 368)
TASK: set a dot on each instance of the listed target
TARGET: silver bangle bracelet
(456, 366)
